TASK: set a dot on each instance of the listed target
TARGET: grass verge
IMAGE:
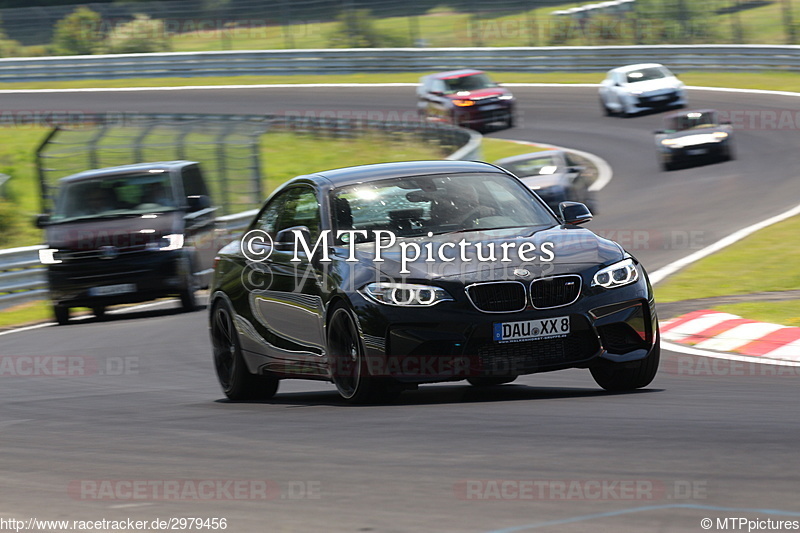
(777, 80)
(786, 313)
(761, 262)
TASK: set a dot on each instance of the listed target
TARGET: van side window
(193, 184)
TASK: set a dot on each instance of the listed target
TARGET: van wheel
(61, 314)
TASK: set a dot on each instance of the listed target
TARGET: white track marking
(734, 338)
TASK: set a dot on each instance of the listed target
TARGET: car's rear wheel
(605, 108)
(99, 311)
(348, 364)
(61, 314)
(237, 382)
(490, 382)
(628, 376)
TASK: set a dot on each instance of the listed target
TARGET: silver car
(636, 88)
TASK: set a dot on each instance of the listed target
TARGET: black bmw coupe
(383, 277)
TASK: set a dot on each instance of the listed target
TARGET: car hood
(695, 136)
(670, 82)
(122, 232)
(573, 248)
(480, 94)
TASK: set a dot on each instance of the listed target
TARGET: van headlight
(173, 241)
(616, 275)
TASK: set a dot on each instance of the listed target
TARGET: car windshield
(438, 204)
(647, 74)
(472, 82)
(114, 196)
(537, 166)
(692, 120)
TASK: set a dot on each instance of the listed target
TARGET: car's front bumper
(454, 342)
(146, 276)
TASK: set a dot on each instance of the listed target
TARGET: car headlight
(616, 275)
(720, 135)
(463, 103)
(406, 294)
(47, 256)
(505, 97)
(669, 142)
(173, 241)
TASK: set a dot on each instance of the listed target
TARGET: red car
(465, 98)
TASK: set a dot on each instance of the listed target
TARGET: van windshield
(115, 196)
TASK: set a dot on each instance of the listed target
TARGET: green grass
(778, 81)
(764, 261)
(786, 313)
(494, 149)
(280, 151)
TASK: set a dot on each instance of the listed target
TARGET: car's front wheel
(490, 381)
(237, 382)
(605, 108)
(61, 314)
(348, 364)
(628, 376)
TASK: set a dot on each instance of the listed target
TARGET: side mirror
(437, 93)
(725, 122)
(284, 239)
(659, 132)
(42, 220)
(574, 213)
(574, 170)
(198, 202)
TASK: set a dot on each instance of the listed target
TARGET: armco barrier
(343, 61)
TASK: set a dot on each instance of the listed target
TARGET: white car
(634, 88)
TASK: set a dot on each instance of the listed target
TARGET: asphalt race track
(551, 452)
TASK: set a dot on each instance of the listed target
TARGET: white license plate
(657, 98)
(110, 290)
(490, 107)
(696, 151)
(527, 330)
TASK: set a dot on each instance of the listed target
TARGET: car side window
(297, 206)
(437, 85)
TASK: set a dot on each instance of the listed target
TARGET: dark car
(555, 175)
(694, 135)
(465, 98)
(325, 285)
(128, 234)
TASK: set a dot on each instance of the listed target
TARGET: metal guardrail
(342, 61)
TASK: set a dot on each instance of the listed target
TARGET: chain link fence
(228, 146)
(198, 25)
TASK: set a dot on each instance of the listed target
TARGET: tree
(140, 35)
(78, 33)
